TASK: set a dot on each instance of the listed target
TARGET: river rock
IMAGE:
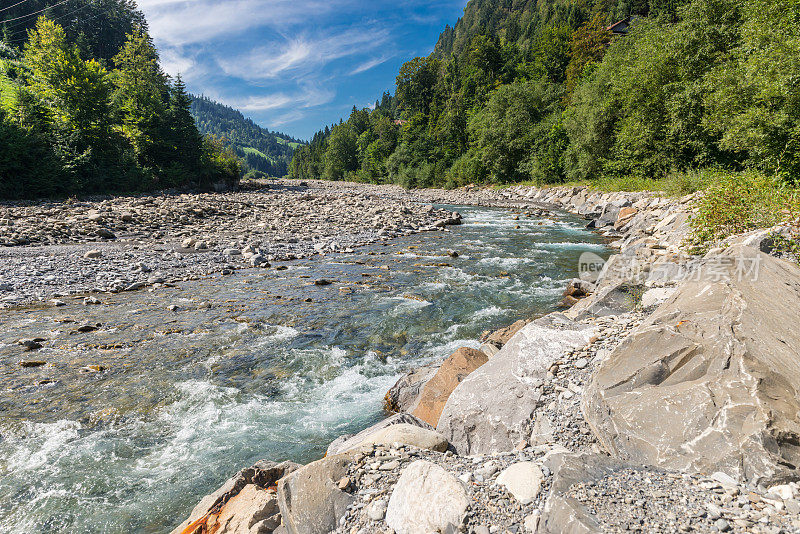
(523, 480)
(400, 428)
(493, 409)
(404, 395)
(426, 499)
(253, 511)
(501, 337)
(566, 514)
(710, 381)
(262, 475)
(452, 372)
(611, 298)
(310, 499)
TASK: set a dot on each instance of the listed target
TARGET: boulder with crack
(711, 381)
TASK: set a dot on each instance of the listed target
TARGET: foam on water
(281, 385)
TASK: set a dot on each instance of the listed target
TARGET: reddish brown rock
(453, 371)
(625, 215)
(501, 337)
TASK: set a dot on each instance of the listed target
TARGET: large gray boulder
(710, 381)
(426, 499)
(494, 407)
(310, 499)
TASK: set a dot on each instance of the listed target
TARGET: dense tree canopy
(262, 151)
(525, 90)
(76, 118)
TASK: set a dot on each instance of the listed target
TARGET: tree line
(542, 91)
(263, 153)
(95, 113)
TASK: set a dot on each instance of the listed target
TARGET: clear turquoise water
(190, 397)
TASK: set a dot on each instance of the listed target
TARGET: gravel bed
(648, 500)
(52, 249)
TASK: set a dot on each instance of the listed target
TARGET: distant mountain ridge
(262, 150)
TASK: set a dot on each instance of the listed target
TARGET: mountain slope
(261, 150)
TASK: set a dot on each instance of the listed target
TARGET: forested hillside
(525, 90)
(262, 151)
(86, 108)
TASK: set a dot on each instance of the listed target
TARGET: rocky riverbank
(663, 399)
(51, 250)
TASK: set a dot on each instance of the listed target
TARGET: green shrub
(735, 203)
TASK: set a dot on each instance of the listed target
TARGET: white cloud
(178, 23)
(370, 64)
(302, 54)
(307, 97)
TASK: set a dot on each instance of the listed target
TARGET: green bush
(735, 203)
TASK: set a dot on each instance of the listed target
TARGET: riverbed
(152, 399)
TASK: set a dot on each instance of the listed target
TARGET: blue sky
(294, 65)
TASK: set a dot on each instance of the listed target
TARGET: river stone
(710, 381)
(263, 474)
(501, 337)
(452, 372)
(426, 499)
(310, 499)
(253, 511)
(567, 514)
(401, 428)
(611, 298)
(655, 297)
(404, 395)
(523, 480)
(493, 409)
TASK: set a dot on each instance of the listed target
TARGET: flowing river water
(246, 369)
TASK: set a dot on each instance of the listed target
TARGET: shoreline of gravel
(50, 250)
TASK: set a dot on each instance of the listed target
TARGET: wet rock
(501, 337)
(426, 499)
(30, 344)
(453, 371)
(404, 395)
(32, 363)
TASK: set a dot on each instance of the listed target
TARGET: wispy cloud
(292, 61)
(306, 97)
(370, 64)
(198, 21)
(302, 54)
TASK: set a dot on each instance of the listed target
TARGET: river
(126, 427)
